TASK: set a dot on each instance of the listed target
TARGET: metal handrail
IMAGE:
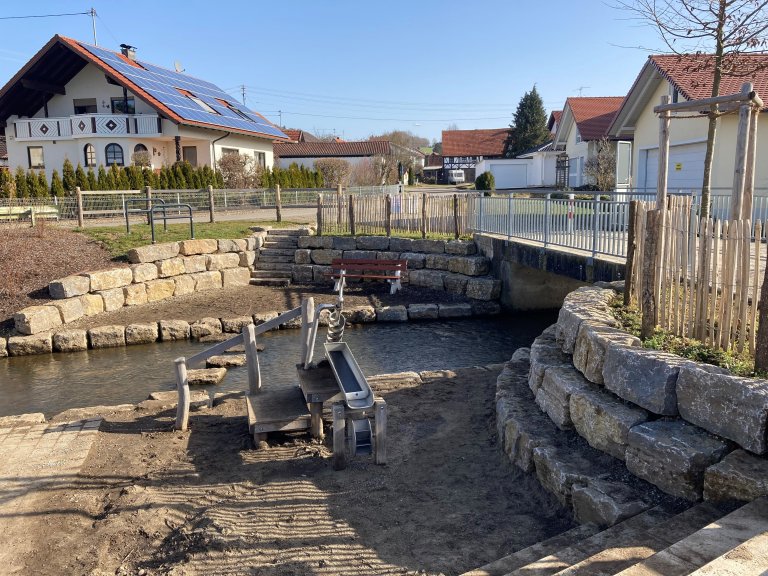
(147, 200)
(164, 209)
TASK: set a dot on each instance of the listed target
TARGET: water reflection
(52, 383)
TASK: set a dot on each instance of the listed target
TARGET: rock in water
(206, 376)
(226, 361)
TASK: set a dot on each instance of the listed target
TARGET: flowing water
(56, 382)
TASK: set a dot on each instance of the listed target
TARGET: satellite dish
(177, 65)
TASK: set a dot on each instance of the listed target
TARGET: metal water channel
(53, 383)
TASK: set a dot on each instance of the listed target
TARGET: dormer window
(197, 101)
(234, 109)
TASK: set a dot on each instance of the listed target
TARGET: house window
(35, 155)
(89, 152)
(114, 154)
(578, 136)
(675, 96)
(261, 159)
(197, 101)
(189, 154)
(123, 106)
(225, 151)
(85, 105)
(139, 148)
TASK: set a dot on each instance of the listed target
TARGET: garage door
(685, 169)
(510, 175)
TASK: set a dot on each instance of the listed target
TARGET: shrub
(68, 176)
(57, 188)
(81, 179)
(22, 190)
(335, 171)
(142, 159)
(485, 181)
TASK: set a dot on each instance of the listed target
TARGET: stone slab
(171, 267)
(325, 257)
(422, 311)
(483, 288)
(92, 304)
(207, 280)
(135, 294)
(144, 272)
(454, 310)
(235, 325)
(554, 395)
(545, 352)
(206, 376)
(205, 327)
(173, 330)
(160, 289)
(109, 279)
(36, 319)
(198, 246)
(593, 340)
(113, 299)
(606, 503)
(107, 336)
(359, 314)
(739, 476)
(226, 361)
(226, 245)
(469, 265)
(235, 277)
(372, 243)
(69, 287)
(70, 341)
(460, 248)
(198, 399)
(183, 284)
(222, 261)
(193, 264)
(152, 253)
(392, 314)
(141, 333)
(560, 470)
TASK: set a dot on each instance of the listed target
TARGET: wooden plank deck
(277, 409)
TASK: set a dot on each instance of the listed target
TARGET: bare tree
(601, 168)
(335, 171)
(724, 30)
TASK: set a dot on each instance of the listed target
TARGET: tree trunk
(761, 339)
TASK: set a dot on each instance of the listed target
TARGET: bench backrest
(350, 264)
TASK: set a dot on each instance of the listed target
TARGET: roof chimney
(128, 51)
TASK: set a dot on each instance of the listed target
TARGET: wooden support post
(749, 175)
(456, 216)
(148, 204)
(338, 209)
(211, 208)
(316, 420)
(79, 198)
(278, 204)
(319, 214)
(661, 184)
(339, 431)
(307, 320)
(380, 425)
(182, 386)
(649, 274)
(352, 215)
(424, 215)
(739, 167)
(388, 215)
(631, 247)
(252, 358)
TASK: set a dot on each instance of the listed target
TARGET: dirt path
(152, 501)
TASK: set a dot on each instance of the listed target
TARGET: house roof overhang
(645, 85)
(563, 128)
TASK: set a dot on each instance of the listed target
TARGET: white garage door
(510, 175)
(686, 167)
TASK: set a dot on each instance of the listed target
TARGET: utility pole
(242, 89)
(92, 12)
(580, 89)
(280, 114)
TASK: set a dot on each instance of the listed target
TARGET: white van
(456, 176)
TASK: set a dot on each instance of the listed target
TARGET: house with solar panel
(95, 106)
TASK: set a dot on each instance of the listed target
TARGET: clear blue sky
(358, 67)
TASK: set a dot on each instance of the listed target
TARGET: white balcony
(87, 125)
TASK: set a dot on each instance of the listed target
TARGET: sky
(361, 68)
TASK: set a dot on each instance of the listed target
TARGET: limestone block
(469, 265)
(325, 257)
(144, 272)
(92, 304)
(437, 261)
(739, 476)
(109, 279)
(141, 333)
(455, 283)
(241, 243)
(222, 261)
(202, 246)
(413, 261)
(372, 243)
(454, 310)
(69, 287)
(303, 256)
(554, 395)
(152, 253)
(429, 246)
(107, 336)
(559, 470)
(207, 280)
(422, 311)
(185, 284)
(387, 255)
(727, 405)
(206, 376)
(173, 330)
(263, 317)
(401, 245)
(40, 343)
(592, 342)
(135, 294)
(545, 352)
(3, 347)
(359, 254)
(483, 288)
(256, 241)
(460, 248)
(36, 319)
(198, 399)
(606, 503)
(433, 279)
(205, 327)
(247, 258)
(160, 289)
(226, 361)
(302, 274)
(193, 264)
(227, 246)
(485, 308)
(343, 243)
(315, 242)
(644, 377)
(235, 325)
(170, 267)
(113, 299)
(235, 277)
(321, 274)
(359, 314)
(673, 455)
(70, 341)
(71, 309)
(392, 314)
(569, 321)
(603, 420)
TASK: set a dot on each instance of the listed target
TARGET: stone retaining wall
(693, 430)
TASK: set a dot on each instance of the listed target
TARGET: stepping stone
(226, 361)
(198, 399)
(206, 376)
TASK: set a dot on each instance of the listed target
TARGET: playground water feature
(56, 382)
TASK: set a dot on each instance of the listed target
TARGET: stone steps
(281, 244)
(281, 266)
(271, 274)
(274, 258)
(286, 252)
(270, 281)
(294, 232)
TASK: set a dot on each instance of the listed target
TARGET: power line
(386, 119)
(45, 15)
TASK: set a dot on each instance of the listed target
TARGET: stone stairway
(670, 539)
(275, 259)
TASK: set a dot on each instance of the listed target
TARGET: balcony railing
(87, 125)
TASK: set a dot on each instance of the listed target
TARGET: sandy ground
(150, 500)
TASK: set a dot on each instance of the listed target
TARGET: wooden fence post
(338, 207)
(649, 273)
(211, 209)
(661, 183)
(182, 387)
(388, 215)
(320, 214)
(749, 178)
(456, 216)
(352, 215)
(424, 215)
(631, 247)
(278, 204)
(79, 197)
(307, 319)
(148, 204)
(252, 357)
(742, 142)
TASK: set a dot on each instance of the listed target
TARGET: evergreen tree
(219, 180)
(68, 176)
(81, 179)
(57, 188)
(178, 176)
(529, 125)
(135, 177)
(123, 183)
(32, 184)
(42, 184)
(171, 178)
(22, 190)
(266, 178)
(102, 180)
(92, 184)
(114, 177)
(4, 180)
(163, 180)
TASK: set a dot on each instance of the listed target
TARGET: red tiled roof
(433, 161)
(593, 114)
(292, 134)
(691, 74)
(489, 142)
(332, 149)
(554, 118)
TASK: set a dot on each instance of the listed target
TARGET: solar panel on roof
(162, 85)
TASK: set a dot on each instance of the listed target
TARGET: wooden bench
(368, 269)
(28, 212)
